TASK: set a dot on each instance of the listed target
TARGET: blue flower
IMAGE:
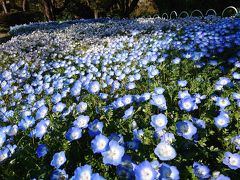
(42, 150)
(73, 133)
(59, 174)
(56, 98)
(81, 107)
(82, 121)
(167, 138)
(113, 156)
(2, 138)
(41, 112)
(187, 103)
(95, 127)
(236, 141)
(96, 176)
(145, 171)
(99, 143)
(222, 102)
(165, 151)
(159, 101)
(159, 90)
(58, 159)
(199, 123)
(159, 121)
(26, 123)
(83, 172)
(182, 83)
(232, 160)
(186, 129)
(128, 113)
(222, 120)
(41, 128)
(201, 171)
(168, 172)
(94, 87)
(58, 107)
(221, 177)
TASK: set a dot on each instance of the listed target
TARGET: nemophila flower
(168, 172)
(159, 121)
(232, 160)
(201, 170)
(236, 141)
(236, 96)
(97, 176)
(176, 60)
(159, 101)
(222, 102)
(221, 177)
(127, 99)
(94, 87)
(41, 128)
(95, 127)
(41, 112)
(59, 107)
(103, 95)
(113, 156)
(152, 71)
(26, 123)
(159, 90)
(42, 150)
(199, 123)
(145, 171)
(76, 89)
(128, 113)
(59, 174)
(2, 138)
(12, 130)
(183, 94)
(130, 86)
(99, 144)
(144, 97)
(236, 75)
(138, 134)
(182, 83)
(134, 144)
(82, 121)
(223, 81)
(4, 154)
(73, 133)
(222, 120)
(165, 151)
(83, 172)
(167, 138)
(58, 159)
(81, 107)
(56, 98)
(186, 129)
(187, 103)
(31, 98)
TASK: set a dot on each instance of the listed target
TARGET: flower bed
(121, 99)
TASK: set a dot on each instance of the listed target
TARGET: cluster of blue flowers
(156, 101)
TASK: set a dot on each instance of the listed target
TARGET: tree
(25, 5)
(48, 10)
(3, 2)
(126, 7)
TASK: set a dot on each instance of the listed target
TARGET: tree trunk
(48, 10)
(24, 5)
(4, 6)
(95, 13)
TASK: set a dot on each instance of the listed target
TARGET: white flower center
(101, 144)
(113, 153)
(146, 174)
(85, 176)
(233, 161)
(165, 150)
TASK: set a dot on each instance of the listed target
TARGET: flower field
(110, 99)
